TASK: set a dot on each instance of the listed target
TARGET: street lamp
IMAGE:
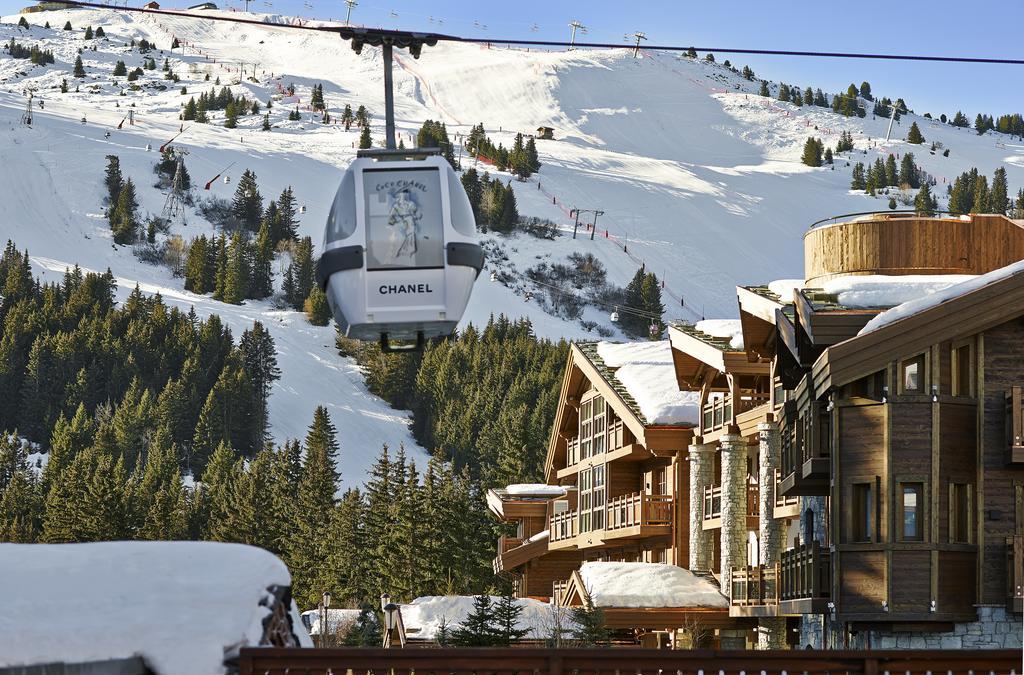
(325, 602)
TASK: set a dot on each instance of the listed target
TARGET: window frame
(955, 359)
(863, 512)
(922, 362)
(920, 487)
(953, 534)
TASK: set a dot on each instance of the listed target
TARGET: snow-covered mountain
(699, 178)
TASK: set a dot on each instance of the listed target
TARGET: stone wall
(995, 629)
(734, 507)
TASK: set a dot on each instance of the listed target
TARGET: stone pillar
(770, 535)
(734, 507)
(702, 474)
(771, 632)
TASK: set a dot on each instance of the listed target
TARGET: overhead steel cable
(349, 32)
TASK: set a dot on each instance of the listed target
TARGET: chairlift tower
(575, 25)
(26, 117)
(175, 204)
(892, 118)
(639, 35)
(348, 15)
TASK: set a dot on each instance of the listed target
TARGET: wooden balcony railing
(506, 544)
(718, 412)
(753, 586)
(805, 573)
(638, 509)
(1015, 573)
(572, 452)
(713, 500)
(558, 590)
(543, 661)
(562, 526)
(781, 500)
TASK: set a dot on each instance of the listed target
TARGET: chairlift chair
(615, 315)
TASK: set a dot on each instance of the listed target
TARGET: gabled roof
(758, 305)
(962, 310)
(694, 352)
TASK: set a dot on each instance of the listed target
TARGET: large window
(598, 426)
(598, 499)
(960, 513)
(911, 511)
(592, 427)
(592, 498)
(912, 377)
(585, 428)
(961, 367)
(660, 481)
(863, 513)
(586, 496)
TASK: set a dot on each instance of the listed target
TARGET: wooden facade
(906, 243)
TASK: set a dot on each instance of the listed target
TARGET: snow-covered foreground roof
(723, 328)
(424, 616)
(645, 369)
(181, 606)
(535, 490)
(938, 297)
(637, 584)
(784, 288)
(882, 290)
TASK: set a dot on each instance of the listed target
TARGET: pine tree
(88, 32)
(22, 23)
(478, 629)
(858, 181)
(362, 117)
(347, 118)
(998, 197)
(261, 281)
(230, 116)
(318, 312)
(315, 501)
(908, 171)
(914, 135)
(120, 70)
(266, 122)
(113, 179)
(366, 631)
(123, 220)
(506, 620)
(828, 156)
(189, 113)
(364, 139)
(891, 177)
(812, 152)
(305, 272)
(924, 203)
(260, 359)
(865, 90)
(67, 26)
(981, 196)
(79, 67)
(247, 205)
(589, 628)
(236, 274)
(784, 93)
(217, 489)
(287, 225)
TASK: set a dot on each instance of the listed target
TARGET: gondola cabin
(400, 250)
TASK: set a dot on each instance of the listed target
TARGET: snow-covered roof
(181, 606)
(424, 616)
(723, 328)
(881, 290)
(637, 584)
(645, 369)
(784, 288)
(939, 296)
(338, 620)
(534, 490)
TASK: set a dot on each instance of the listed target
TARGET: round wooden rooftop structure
(898, 243)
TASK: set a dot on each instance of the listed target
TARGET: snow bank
(880, 290)
(535, 490)
(784, 288)
(182, 606)
(645, 369)
(338, 620)
(424, 616)
(636, 584)
(939, 296)
(723, 328)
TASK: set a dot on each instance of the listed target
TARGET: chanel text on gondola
(405, 288)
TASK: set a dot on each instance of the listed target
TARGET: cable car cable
(397, 36)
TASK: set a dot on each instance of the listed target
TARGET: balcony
(1015, 424)
(806, 457)
(506, 544)
(1015, 574)
(799, 584)
(562, 528)
(785, 506)
(713, 506)
(755, 591)
(638, 515)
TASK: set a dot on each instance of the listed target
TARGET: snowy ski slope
(699, 179)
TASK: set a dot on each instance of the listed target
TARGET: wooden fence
(622, 661)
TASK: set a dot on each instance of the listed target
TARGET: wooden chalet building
(617, 459)
(854, 476)
(879, 434)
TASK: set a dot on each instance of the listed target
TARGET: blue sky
(907, 26)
